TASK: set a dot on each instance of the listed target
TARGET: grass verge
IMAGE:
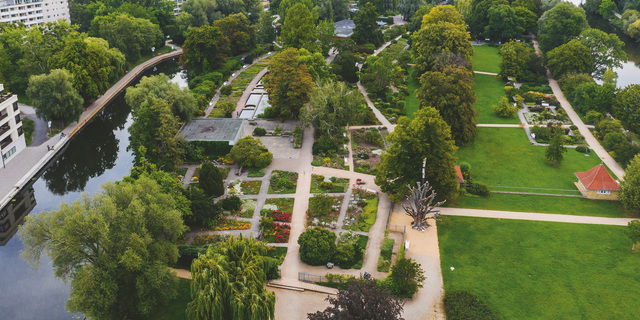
(489, 90)
(542, 270)
(28, 126)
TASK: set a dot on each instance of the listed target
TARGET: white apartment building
(11, 137)
(32, 12)
(176, 10)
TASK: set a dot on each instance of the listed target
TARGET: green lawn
(542, 270)
(28, 126)
(489, 90)
(486, 59)
(283, 204)
(545, 204)
(504, 156)
(175, 309)
(412, 104)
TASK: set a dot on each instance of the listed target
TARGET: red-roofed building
(459, 174)
(597, 183)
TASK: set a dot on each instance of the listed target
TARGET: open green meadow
(486, 59)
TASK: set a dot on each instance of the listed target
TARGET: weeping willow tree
(228, 282)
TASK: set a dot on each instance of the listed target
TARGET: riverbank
(31, 160)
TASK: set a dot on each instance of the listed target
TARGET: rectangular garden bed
(322, 184)
(232, 224)
(367, 145)
(324, 210)
(283, 204)
(362, 211)
(282, 182)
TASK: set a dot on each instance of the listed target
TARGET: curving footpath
(593, 143)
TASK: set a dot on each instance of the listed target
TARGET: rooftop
(344, 28)
(213, 130)
(597, 179)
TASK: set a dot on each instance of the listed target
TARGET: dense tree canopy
(211, 180)
(408, 8)
(556, 148)
(626, 107)
(379, 73)
(132, 36)
(570, 57)
(182, 102)
(238, 29)
(606, 50)
(425, 138)
(317, 246)
(332, 106)
(443, 13)
(479, 17)
(155, 128)
(228, 282)
(406, 277)
(251, 152)
(515, 58)
(92, 63)
(439, 38)
(560, 24)
(204, 49)
(266, 31)
(114, 247)
(362, 300)
(451, 93)
(54, 97)
(504, 23)
(367, 31)
(288, 84)
(630, 187)
(299, 30)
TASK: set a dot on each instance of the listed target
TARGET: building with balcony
(32, 12)
(11, 136)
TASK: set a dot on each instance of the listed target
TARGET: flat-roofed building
(11, 136)
(31, 12)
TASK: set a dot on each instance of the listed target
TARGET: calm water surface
(95, 156)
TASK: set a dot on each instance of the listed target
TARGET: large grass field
(545, 204)
(489, 90)
(505, 157)
(542, 270)
(486, 59)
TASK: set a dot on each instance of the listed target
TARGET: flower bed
(321, 184)
(232, 224)
(283, 182)
(205, 239)
(277, 215)
(367, 145)
(362, 211)
(283, 204)
(278, 233)
(324, 210)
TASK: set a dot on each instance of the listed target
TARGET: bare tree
(420, 204)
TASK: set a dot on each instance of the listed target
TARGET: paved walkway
(39, 130)
(488, 73)
(534, 216)
(593, 143)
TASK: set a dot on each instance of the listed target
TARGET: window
(17, 118)
(9, 153)
(604, 191)
(15, 106)
(19, 131)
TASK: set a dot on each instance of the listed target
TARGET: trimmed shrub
(479, 189)
(316, 163)
(581, 149)
(259, 132)
(463, 305)
(317, 246)
(327, 185)
(232, 203)
(226, 90)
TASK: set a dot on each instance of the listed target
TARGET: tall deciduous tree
(155, 128)
(201, 12)
(204, 49)
(406, 277)
(408, 8)
(570, 57)
(515, 58)
(228, 282)
(428, 137)
(606, 50)
(54, 97)
(504, 23)
(626, 107)
(556, 148)
(379, 73)
(182, 102)
(114, 247)
(211, 180)
(238, 29)
(560, 24)
(367, 31)
(451, 93)
(479, 17)
(630, 187)
(440, 37)
(299, 30)
(266, 30)
(92, 63)
(251, 152)
(288, 83)
(132, 36)
(326, 36)
(332, 106)
(362, 300)
(443, 13)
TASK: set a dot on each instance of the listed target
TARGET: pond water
(97, 155)
(630, 71)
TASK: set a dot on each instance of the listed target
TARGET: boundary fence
(537, 191)
(311, 278)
